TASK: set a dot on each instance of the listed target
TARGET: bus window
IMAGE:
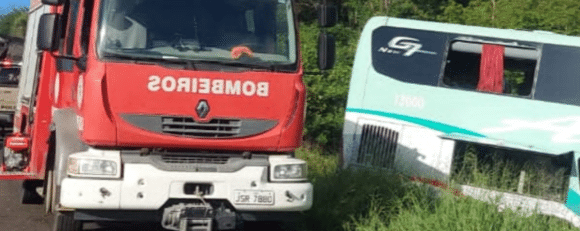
(508, 69)
(559, 75)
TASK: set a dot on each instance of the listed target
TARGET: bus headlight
(95, 164)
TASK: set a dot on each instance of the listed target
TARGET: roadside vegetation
(492, 169)
(374, 200)
(14, 23)
(327, 91)
(348, 200)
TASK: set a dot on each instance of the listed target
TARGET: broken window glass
(497, 68)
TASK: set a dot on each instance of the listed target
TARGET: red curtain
(491, 69)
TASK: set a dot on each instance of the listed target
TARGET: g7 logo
(410, 45)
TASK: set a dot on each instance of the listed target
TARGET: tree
(14, 23)
(327, 92)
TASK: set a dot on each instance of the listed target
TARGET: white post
(521, 183)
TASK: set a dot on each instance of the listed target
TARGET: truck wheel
(240, 225)
(290, 226)
(63, 221)
(66, 222)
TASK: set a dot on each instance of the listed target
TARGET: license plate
(254, 197)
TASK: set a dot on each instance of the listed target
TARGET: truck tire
(66, 222)
(240, 225)
(66, 143)
(63, 221)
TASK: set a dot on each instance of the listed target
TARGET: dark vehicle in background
(11, 49)
(8, 93)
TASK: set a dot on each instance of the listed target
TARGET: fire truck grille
(378, 146)
(216, 128)
(189, 159)
(186, 126)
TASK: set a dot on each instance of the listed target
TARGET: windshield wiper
(253, 66)
(169, 61)
(190, 64)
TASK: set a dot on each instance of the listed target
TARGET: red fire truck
(185, 112)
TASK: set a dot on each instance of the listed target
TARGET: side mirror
(326, 51)
(327, 15)
(53, 2)
(47, 31)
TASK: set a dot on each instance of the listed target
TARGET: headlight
(93, 163)
(92, 167)
(289, 172)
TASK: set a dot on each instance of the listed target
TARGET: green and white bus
(423, 95)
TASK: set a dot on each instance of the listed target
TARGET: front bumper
(144, 187)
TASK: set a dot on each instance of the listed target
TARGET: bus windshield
(228, 31)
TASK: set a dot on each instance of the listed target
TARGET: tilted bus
(424, 95)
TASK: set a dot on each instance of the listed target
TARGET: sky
(7, 5)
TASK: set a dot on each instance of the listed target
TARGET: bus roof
(510, 34)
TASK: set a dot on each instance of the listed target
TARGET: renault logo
(202, 109)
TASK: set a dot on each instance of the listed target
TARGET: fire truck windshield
(232, 31)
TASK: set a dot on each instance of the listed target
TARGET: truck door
(29, 72)
(67, 71)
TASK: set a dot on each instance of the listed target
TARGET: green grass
(374, 200)
(452, 213)
(503, 174)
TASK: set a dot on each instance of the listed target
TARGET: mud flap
(188, 217)
(30, 194)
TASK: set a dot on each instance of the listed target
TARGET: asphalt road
(15, 216)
